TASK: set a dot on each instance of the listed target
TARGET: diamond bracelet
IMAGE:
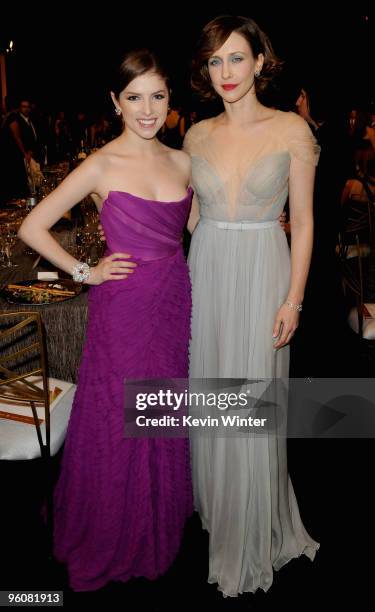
(297, 307)
(81, 272)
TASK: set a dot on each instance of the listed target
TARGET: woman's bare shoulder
(202, 128)
(111, 154)
(290, 119)
(198, 133)
(182, 160)
(109, 149)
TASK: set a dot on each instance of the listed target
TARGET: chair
(23, 346)
(361, 317)
(356, 252)
(34, 409)
(357, 221)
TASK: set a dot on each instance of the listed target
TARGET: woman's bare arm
(301, 190)
(194, 214)
(35, 228)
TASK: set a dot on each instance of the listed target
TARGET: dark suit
(14, 182)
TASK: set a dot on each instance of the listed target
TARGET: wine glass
(9, 239)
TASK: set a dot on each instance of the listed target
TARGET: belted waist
(238, 225)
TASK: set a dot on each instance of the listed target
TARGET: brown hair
(134, 64)
(214, 35)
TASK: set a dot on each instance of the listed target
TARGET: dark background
(62, 58)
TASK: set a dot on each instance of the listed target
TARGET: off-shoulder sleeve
(191, 139)
(301, 142)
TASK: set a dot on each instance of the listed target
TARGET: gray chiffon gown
(240, 269)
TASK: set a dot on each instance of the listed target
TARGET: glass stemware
(8, 240)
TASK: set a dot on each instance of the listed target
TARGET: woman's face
(232, 68)
(144, 104)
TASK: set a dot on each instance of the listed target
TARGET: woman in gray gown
(247, 293)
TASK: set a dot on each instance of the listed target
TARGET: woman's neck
(135, 144)
(245, 111)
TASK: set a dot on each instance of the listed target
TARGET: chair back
(22, 362)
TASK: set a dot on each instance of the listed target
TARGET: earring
(257, 73)
(117, 111)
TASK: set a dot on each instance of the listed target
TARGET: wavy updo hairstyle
(214, 35)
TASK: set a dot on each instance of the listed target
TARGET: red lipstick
(229, 86)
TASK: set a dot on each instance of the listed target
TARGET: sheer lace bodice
(247, 178)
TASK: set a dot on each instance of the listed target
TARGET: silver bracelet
(297, 307)
(81, 272)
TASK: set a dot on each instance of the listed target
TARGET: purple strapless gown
(121, 504)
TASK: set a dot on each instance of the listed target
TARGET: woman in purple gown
(121, 504)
